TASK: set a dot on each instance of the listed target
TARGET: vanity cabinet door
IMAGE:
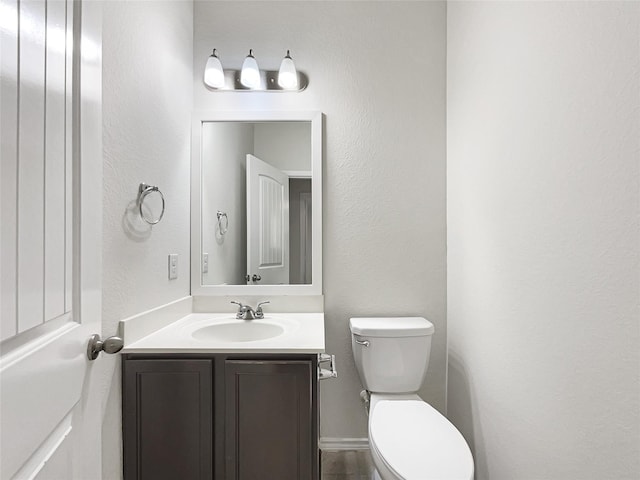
(167, 419)
(269, 420)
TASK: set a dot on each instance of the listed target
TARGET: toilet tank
(391, 353)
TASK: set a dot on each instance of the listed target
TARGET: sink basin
(238, 331)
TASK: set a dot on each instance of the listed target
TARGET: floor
(346, 465)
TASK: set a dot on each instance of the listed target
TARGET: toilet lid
(418, 443)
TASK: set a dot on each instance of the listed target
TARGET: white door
(267, 224)
(51, 237)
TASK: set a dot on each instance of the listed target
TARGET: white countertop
(297, 333)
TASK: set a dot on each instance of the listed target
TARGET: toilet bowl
(408, 438)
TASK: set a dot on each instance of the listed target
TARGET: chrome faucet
(245, 312)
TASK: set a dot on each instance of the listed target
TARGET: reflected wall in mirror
(254, 184)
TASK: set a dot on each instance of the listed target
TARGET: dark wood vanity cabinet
(167, 418)
(222, 417)
(268, 420)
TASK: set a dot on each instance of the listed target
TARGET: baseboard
(335, 443)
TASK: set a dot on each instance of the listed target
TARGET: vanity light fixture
(213, 72)
(287, 75)
(250, 74)
(251, 79)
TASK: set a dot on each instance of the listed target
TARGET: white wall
(285, 145)
(543, 237)
(225, 146)
(384, 165)
(147, 95)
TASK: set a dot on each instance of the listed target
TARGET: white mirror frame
(200, 117)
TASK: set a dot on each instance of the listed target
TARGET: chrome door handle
(97, 345)
(256, 278)
(364, 343)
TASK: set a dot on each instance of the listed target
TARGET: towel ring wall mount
(145, 190)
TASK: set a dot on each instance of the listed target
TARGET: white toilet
(408, 438)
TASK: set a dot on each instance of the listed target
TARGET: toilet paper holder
(331, 372)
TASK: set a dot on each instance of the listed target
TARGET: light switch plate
(173, 266)
(205, 262)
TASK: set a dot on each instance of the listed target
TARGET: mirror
(256, 203)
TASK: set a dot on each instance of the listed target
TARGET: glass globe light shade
(250, 74)
(213, 72)
(287, 75)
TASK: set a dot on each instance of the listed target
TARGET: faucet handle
(259, 312)
(242, 309)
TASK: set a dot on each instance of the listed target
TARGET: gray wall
(377, 71)
(543, 240)
(225, 146)
(285, 145)
(147, 102)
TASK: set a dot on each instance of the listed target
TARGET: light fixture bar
(269, 82)
(251, 79)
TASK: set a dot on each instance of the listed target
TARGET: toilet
(408, 438)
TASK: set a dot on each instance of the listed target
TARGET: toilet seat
(416, 442)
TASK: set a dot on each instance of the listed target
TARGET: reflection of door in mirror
(267, 223)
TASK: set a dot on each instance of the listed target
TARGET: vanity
(217, 394)
(222, 416)
(217, 397)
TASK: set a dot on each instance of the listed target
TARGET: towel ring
(143, 191)
(222, 229)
